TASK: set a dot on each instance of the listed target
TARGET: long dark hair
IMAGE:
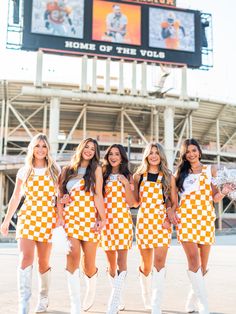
(184, 166)
(71, 171)
(123, 167)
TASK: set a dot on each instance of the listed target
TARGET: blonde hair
(29, 159)
(163, 167)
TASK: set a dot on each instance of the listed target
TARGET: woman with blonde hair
(155, 188)
(83, 211)
(36, 219)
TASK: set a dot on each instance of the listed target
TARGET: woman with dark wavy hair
(117, 235)
(196, 230)
(81, 182)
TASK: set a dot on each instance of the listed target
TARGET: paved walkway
(221, 281)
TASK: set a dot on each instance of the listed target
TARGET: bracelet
(168, 208)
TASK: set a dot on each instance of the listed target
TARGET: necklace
(196, 168)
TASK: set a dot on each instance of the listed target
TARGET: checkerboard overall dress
(118, 232)
(80, 215)
(151, 215)
(197, 214)
(37, 216)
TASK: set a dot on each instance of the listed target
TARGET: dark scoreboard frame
(87, 46)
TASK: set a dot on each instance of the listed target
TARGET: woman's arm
(12, 206)
(216, 193)
(129, 196)
(136, 189)
(171, 211)
(98, 198)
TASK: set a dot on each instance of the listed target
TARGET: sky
(216, 84)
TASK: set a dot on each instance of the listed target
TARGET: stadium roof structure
(26, 113)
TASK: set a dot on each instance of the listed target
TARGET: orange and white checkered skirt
(197, 215)
(37, 216)
(151, 216)
(118, 232)
(81, 215)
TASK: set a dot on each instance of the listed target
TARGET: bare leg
(26, 248)
(73, 258)
(192, 254)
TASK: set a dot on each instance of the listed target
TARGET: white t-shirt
(191, 182)
(76, 181)
(22, 172)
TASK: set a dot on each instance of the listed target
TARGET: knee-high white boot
(74, 291)
(191, 303)
(44, 281)
(199, 289)
(90, 291)
(158, 279)
(24, 288)
(114, 301)
(146, 289)
(121, 306)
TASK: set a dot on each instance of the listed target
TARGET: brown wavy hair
(184, 167)
(123, 167)
(71, 171)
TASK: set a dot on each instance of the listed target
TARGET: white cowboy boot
(191, 303)
(24, 288)
(74, 291)
(146, 288)
(121, 306)
(90, 291)
(114, 302)
(158, 278)
(44, 281)
(199, 289)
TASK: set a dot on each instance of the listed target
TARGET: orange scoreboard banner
(171, 3)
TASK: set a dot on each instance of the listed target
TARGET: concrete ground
(221, 281)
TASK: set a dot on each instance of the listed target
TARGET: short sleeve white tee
(192, 181)
(22, 172)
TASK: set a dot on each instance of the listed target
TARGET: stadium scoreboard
(129, 30)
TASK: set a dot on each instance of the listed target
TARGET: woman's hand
(227, 188)
(123, 180)
(65, 199)
(5, 228)
(99, 225)
(172, 216)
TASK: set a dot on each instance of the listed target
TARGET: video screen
(116, 22)
(171, 29)
(59, 18)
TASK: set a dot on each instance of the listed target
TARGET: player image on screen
(58, 17)
(171, 29)
(116, 24)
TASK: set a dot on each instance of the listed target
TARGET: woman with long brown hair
(154, 187)
(36, 219)
(117, 236)
(84, 217)
(196, 230)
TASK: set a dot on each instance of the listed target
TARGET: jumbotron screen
(118, 29)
